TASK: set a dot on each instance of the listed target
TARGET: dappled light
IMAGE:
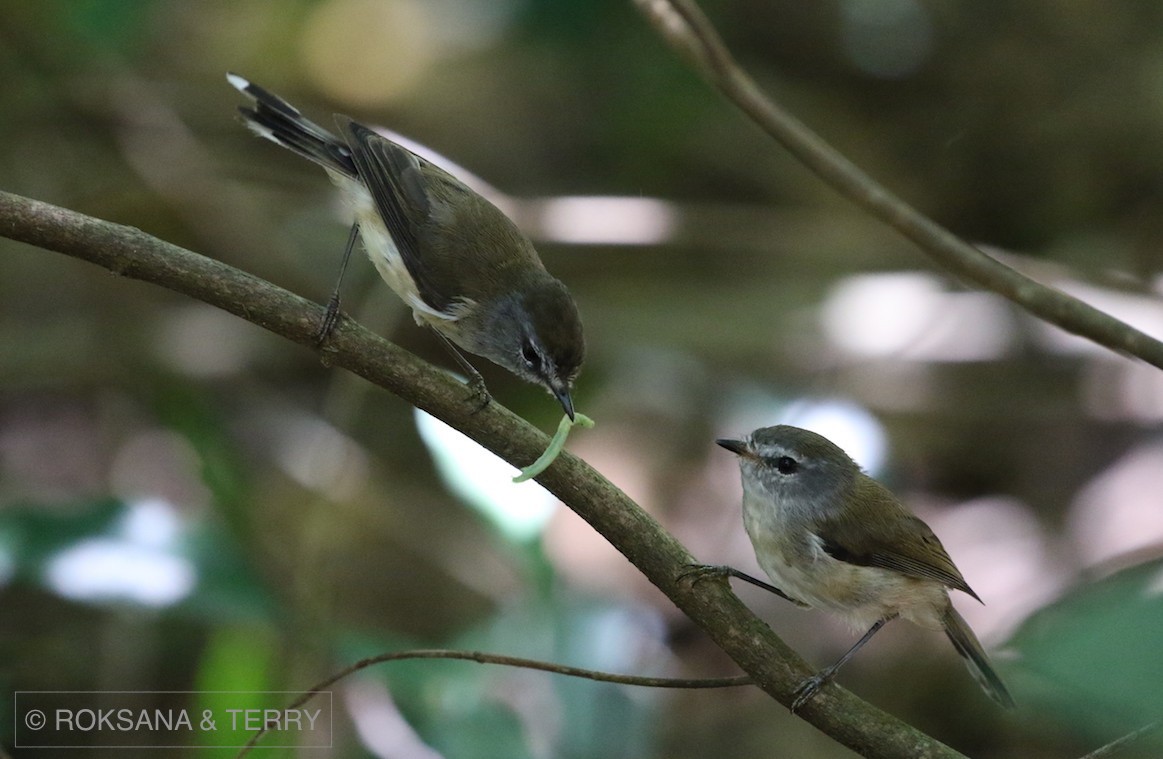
(190, 503)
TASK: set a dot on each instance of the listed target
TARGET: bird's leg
(476, 382)
(809, 687)
(331, 316)
(696, 573)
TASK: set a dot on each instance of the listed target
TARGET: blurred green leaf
(234, 672)
(228, 590)
(110, 25)
(1094, 659)
(33, 533)
(225, 589)
(198, 415)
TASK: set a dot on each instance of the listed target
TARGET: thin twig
(686, 28)
(1115, 746)
(506, 661)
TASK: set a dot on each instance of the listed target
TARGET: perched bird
(830, 536)
(462, 266)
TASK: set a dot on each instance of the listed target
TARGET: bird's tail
(971, 651)
(280, 122)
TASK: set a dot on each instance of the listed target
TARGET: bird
(463, 267)
(831, 537)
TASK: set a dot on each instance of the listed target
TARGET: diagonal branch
(684, 26)
(771, 665)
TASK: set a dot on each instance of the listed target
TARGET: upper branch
(682, 24)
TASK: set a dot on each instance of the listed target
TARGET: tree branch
(686, 28)
(712, 606)
(481, 657)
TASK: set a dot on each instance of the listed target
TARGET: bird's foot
(328, 322)
(478, 393)
(808, 689)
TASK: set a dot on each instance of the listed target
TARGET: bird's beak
(738, 447)
(562, 396)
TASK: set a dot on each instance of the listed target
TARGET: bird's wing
(891, 539)
(395, 178)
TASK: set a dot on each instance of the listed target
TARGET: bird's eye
(786, 465)
(530, 354)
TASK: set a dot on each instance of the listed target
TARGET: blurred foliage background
(188, 503)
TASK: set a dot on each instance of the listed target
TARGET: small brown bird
(830, 536)
(462, 266)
